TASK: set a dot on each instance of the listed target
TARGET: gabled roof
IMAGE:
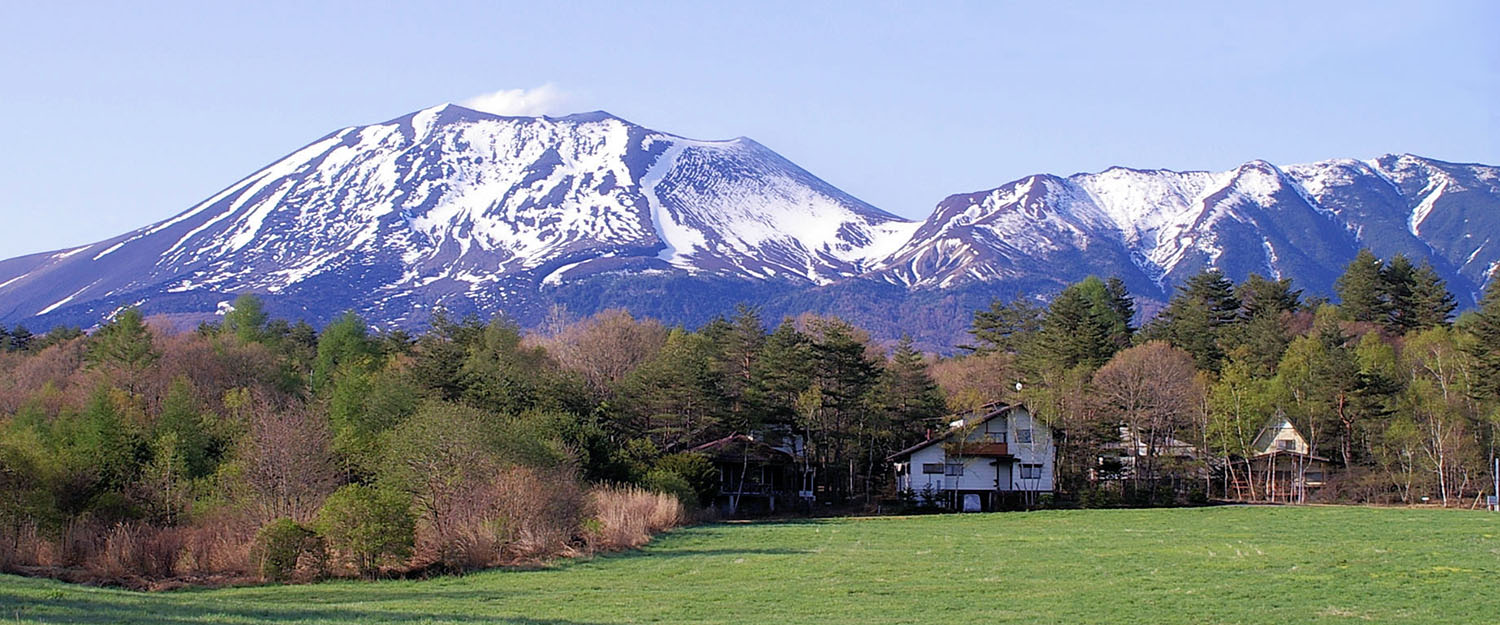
(996, 409)
(741, 446)
(1274, 426)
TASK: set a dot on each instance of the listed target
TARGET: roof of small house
(741, 447)
(983, 415)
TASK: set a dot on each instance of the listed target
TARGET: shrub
(670, 483)
(367, 526)
(699, 472)
(280, 544)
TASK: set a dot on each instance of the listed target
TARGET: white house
(997, 455)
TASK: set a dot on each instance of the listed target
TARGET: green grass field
(1209, 565)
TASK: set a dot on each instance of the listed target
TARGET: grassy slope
(1215, 565)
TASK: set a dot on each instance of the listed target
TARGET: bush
(699, 472)
(367, 526)
(670, 483)
(281, 544)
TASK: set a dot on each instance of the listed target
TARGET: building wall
(982, 473)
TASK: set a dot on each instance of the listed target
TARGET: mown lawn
(1210, 565)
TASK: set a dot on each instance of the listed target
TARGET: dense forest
(258, 448)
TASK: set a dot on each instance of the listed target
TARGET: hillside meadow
(1205, 565)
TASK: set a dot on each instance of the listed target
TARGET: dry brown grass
(521, 514)
(629, 516)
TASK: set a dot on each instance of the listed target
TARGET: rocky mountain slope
(477, 213)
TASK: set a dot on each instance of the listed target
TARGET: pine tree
(739, 347)
(6, 342)
(20, 338)
(1073, 333)
(1431, 304)
(125, 346)
(781, 374)
(1122, 306)
(247, 322)
(1005, 327)
(1485, 348)
(345, 341)
(908, 395)
(1398, 283)
(1197, 317)
(1262, 296)
(1361, 290)
(675, 397)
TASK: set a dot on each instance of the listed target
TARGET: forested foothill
(257, 449)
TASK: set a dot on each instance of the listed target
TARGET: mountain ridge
(450, 207)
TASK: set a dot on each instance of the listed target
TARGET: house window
(1314, 476)
(931, 468)
(1286, 445)
(1031, 472)
(953, 470)
(994, 437)
(1023, 436)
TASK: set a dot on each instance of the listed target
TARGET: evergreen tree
(346, 341)
(56, 336)
(247, 321)
(739, 348)
(907, 394)
(1005, 327)
(839, 427)
(124, 345)
(781, 374)
(674, 399)
(1122, 306)
(183, 422)
(1361, 290)
(1398, 283)
(1484, 325)
(1197, 317)
(1262, 296)
(1262, 338)
(1085, 325)
(1431, 304)
(6, 343)
(20, 338)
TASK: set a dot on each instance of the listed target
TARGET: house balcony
(983, 449)
(748, 488)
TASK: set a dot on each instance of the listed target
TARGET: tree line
(475, 442)
(1401, 398)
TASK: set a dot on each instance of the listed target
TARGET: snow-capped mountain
(477, 213)
(453, 207)
(1154, 228)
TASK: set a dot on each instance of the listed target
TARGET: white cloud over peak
(544, 100)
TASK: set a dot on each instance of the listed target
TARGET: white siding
(983, 473)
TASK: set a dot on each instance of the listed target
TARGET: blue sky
(122, 114)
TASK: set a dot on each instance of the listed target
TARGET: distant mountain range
(478, 213)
